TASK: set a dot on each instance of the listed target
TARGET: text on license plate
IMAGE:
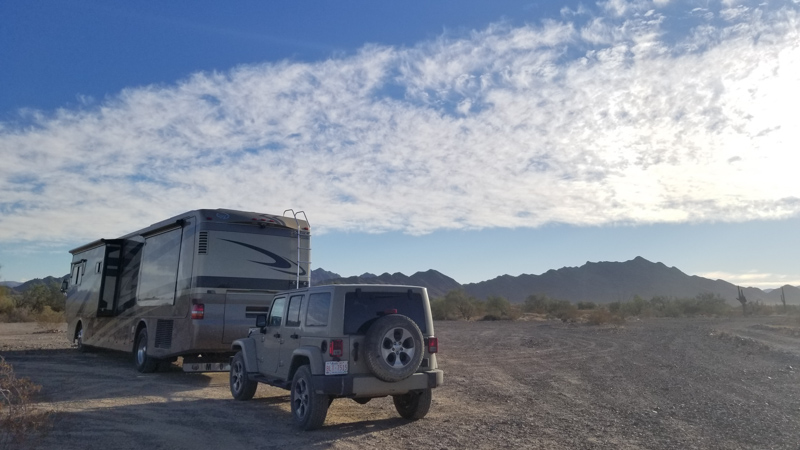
(335, 367)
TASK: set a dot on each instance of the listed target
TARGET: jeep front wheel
(242, 388)
(414, 405)
(394, 348)
(308, 408)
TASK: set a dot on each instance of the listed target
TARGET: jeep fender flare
(248, 348)
(311, 353)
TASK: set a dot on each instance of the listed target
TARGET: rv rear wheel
(144, 363)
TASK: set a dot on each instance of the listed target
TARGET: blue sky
(478, 138)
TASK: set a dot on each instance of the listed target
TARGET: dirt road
(658, 383)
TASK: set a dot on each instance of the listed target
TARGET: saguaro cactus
(742, 300)
(783, 300)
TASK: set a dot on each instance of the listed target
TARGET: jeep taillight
(198, 311)
(336, 349)
(433, 344)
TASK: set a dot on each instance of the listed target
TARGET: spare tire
(393, 347)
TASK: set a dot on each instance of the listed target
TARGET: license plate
(335, 367)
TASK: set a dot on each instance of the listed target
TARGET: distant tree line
(41, 303)
(457, 305)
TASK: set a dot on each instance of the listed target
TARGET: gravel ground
(656, 384)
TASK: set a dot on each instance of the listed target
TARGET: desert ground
(703, 383)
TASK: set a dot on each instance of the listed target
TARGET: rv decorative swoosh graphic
(280, 262)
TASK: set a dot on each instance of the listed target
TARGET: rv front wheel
(144, 363)
(79, 340)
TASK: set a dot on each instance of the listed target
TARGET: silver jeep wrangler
(342, 341)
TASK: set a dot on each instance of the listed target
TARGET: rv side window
(293, 316)
(319, 306)
(159, 269)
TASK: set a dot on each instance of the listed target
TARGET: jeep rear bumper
(369, 386)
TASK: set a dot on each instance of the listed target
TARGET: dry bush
(47, 318)
(6, 304)
(21, 424)
(603, 316)
(568, 313)
(17, 315)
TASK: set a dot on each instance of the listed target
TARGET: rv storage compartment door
(241, 309)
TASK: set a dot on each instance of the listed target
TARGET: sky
(476, 138)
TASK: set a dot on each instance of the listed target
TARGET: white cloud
(584, 123)
(754, 278)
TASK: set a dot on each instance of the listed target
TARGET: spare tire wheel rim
(398, 348)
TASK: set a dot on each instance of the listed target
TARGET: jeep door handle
(294, 336)
(277, 335)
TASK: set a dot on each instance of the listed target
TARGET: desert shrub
(703, 304)
(438, 309)
(536, 303)
(759, 308)
(586, 305)
(602, 316)
(41, 295)
(456, 305)
(21, 424)
(566, 314)
(636, 307)
(462, 305)
(542, 304)
(17, 315)
(47, 317)
(6, 302)
(501, 308)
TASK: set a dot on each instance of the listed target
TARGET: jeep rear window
(363, 308)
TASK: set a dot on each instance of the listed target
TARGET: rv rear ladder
(300, 248)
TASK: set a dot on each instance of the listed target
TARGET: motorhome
(185, 287)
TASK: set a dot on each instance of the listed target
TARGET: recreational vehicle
(187, 286)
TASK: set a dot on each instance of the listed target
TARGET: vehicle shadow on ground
(67, 375)
(201, 423)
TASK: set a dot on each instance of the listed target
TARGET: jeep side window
(319, 306)
(276, 313)
(293, 316)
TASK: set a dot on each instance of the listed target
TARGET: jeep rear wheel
(308, 408)
(394, 348)
(242, 388)
(414, 405)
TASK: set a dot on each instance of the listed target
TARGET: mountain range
(22, 287)
(599, 282)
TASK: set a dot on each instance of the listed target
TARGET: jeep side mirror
(261, 321)
(64, 285)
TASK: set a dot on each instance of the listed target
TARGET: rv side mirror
(261, 322)
(64, 285)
